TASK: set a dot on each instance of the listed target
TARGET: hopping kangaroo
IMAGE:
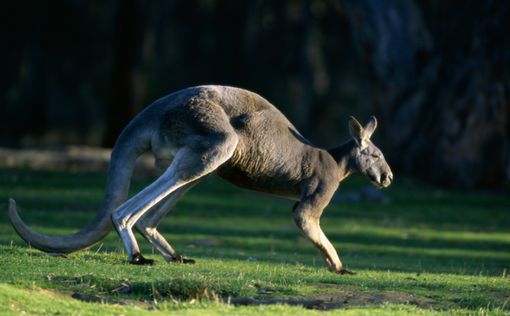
(234, 134)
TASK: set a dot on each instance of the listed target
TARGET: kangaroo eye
(374, 155)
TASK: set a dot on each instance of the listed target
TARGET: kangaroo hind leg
(147, 225)
(193, 161)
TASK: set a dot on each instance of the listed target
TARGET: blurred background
(435, 73)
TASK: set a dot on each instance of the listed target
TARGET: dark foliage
(434, 72)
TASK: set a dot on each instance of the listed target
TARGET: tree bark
(441, 93)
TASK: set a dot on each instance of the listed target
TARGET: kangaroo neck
(342, 154)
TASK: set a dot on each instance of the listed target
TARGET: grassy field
(423, 251)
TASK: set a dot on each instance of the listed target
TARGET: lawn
(422, 251)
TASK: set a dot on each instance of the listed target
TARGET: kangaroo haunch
(234, 134)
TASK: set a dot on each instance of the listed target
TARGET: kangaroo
(234, 134)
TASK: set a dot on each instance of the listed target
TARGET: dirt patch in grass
(89, 298)
(332, 299)
(73, 158)
(324, 297)
(341, 299)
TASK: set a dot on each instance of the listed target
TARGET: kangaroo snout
(386, 179)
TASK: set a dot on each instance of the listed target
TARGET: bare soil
(69, 158)
(341, 299)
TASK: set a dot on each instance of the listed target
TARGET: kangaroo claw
(180, 259)
(345, 271)
(140, 260)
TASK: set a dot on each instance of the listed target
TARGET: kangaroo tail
(133, 141)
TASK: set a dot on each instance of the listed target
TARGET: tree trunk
(441, 93)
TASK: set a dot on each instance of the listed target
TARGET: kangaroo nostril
(386, 178)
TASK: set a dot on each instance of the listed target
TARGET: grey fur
(235, 134)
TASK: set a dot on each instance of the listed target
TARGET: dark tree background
(436, 73)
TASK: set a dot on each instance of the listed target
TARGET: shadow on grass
(364, 250)
(44, 194)
(408, 240)
(358, 250)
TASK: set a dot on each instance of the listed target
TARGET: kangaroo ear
(356, 130)
(370, 127)
(355, 127)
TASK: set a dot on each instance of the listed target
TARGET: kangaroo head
(367, 158)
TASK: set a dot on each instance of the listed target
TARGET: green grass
(426, 251)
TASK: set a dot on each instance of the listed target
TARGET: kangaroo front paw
(140, 260)
(180, 259)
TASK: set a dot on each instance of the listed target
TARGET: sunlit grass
(451, 250)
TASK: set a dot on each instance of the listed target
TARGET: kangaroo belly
(263, 167)
(259, 183)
